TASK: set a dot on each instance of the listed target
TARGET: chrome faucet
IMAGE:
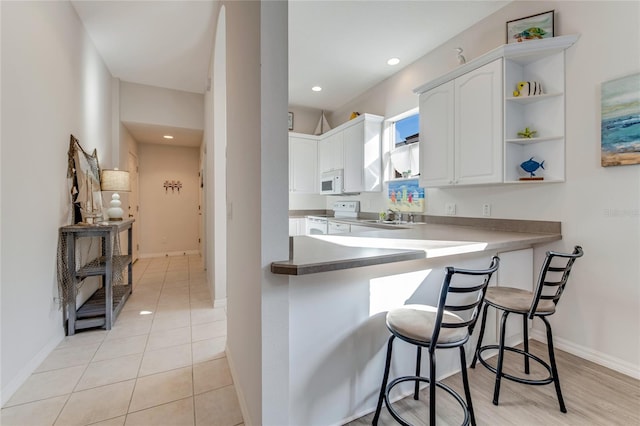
(394, 216)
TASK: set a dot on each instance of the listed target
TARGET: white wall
(168, 218)
(305, 119)
(155, 105)
(220, 163)
(276, 368)
(599, 316)
(53, 84)
(257, 314)
(244, 323)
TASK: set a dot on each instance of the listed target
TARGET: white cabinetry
(339, 228)
(478, 125)
(360, 228)
(297, 226)
(362, 158)
(461, 129)
(469, 119)
(355, 147)
(331, 149)
(303, 163)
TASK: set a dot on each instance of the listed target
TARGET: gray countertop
(324, 253)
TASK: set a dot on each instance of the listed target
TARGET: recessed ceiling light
(316, 88)
(393, 61)
(168, 137)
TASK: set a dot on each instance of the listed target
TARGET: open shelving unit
(542, 61)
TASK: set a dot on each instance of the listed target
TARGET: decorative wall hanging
(530, 27)
(84, 171)
(173, 185)
(620, 122)
(406, 196)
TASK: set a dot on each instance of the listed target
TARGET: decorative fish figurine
(530, 166)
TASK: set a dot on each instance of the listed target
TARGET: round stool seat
(418, 321)
(517, 300)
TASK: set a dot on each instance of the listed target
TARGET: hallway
(163, 362)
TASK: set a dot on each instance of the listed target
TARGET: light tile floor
(162, 363)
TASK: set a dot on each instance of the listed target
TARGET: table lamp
(117, 181)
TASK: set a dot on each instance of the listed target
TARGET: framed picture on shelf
(290, 121)
(532, 27)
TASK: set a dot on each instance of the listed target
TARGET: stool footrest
(446, 388)
(523, 380)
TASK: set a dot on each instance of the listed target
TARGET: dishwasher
(339, 228)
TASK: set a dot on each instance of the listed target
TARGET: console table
(101, 309)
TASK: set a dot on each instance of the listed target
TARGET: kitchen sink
(390, 222)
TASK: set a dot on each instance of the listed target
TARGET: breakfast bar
(440, 237)
(341, 286)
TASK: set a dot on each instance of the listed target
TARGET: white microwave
(331, 182)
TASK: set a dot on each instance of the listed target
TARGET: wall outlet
(486, 210)
(450, 209)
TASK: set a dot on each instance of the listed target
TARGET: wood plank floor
(594, 395)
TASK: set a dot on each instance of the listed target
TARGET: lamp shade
(114, 180)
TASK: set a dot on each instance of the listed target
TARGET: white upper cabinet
(436, 136)
(461, 129)
(331, 151)
(478, 125)
(354, 147)
(303, 164)
(362, 162)
(470, 120)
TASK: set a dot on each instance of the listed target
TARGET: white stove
(319, 224)
(348, 209)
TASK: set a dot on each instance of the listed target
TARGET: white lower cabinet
(296, 226)
(360, 228)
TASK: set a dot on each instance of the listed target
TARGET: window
(405, 150)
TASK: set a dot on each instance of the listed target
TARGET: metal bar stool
(541, 303)
(437, 327)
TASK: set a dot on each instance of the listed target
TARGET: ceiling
(341, 46)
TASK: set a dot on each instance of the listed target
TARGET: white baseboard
(220, 303)
(168, 253)
(241, 399)
(597, 357)
(7, 392)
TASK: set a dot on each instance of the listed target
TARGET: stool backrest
(553, 277)
(471, 302)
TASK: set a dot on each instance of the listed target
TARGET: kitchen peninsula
(341, 286)
(438, 237)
